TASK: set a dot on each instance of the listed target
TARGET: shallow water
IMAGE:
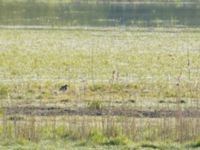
(99, 13)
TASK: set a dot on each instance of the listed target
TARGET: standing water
(97, 13)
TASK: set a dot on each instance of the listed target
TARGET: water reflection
(62, 13)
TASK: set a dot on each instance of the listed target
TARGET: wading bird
(63, 88)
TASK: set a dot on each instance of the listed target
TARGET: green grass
(30, 54)
(34, 63)
(63, 144)
(195, 145)
(147, 65)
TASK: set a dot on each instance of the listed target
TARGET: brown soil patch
(113, 111)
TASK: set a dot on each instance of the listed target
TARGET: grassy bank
(151, 64)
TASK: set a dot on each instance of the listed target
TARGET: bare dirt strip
(112, 111)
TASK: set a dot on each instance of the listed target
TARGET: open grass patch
(35, 65)
(58, 58)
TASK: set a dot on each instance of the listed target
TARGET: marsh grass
(31, 91)
(130, 67)
(110, 131)
(33, 67)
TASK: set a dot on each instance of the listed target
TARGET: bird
(63, 88)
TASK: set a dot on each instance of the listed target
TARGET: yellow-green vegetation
(78, 133)
(150, 64)
(195, 144)
(128, 89)
(61, 144)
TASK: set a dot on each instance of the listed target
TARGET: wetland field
(129, 88)
(133, 75)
